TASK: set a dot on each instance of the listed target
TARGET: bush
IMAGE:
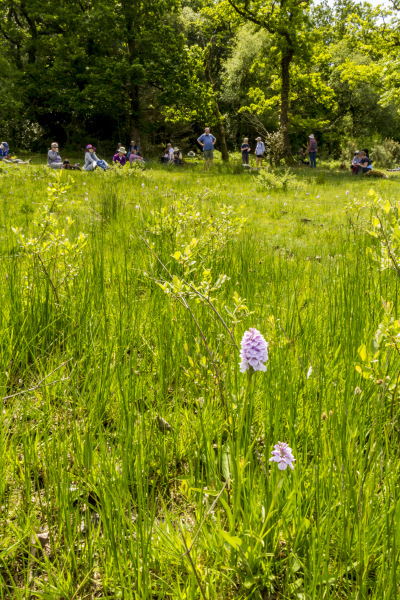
(387, 154)
(348, 151)
(375, 173)
(267, 180)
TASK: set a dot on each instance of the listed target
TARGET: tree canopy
(159, 70)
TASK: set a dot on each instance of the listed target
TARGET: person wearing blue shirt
(3, 150)
(207, 140)
(5, 155)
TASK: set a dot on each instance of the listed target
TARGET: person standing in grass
(312, 150)
(207, 141)
(53, 157)
(259, 151)
(245, 149)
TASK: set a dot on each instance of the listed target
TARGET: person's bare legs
(208, 163)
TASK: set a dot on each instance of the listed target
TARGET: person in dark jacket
(245, 150)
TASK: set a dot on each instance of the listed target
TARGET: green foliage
(50, 252)
(287, 181)
(386, 230)
(380, 357)
(386, 154)
(119, 453)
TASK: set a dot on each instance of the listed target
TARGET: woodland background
(159, 70)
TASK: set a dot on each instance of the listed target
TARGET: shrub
(375, 173)
(348, 151)
(267, 180)
(387, 154)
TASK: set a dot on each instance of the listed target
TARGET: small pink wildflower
(283, 456)
(253, 352)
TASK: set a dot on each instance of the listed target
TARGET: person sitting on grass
(355, 165)
(168, 156)
(91, 160)
(135, 157)
(365, 163)
(301, 157)
(133, 149)
(119, 157)
(177, 157)
(53, 157)
(4, 150)
(67, 165)
(5, 156)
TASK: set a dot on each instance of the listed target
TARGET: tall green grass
(96, 500)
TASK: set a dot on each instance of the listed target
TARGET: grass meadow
(134, 454)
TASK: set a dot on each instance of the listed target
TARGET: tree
(83, 64)
(287, 21)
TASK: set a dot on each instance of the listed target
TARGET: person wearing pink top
(134, 156)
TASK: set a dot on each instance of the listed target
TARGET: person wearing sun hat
(312, 150)
(91, 160)
(259, 151)
(120, 157)
(177, 156)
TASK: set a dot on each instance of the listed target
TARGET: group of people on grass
(361, 162)
(207, 141)
(92, 161)
(172, 156)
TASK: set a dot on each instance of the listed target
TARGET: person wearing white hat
(119, 157)
(259, 151)
(312, 150)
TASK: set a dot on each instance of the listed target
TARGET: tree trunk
(134, 114)
(221, 134)
(284, 116)
(219, 124)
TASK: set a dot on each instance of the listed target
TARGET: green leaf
(362, 351)
(387, 206)
(226, 462)
(232, 540)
